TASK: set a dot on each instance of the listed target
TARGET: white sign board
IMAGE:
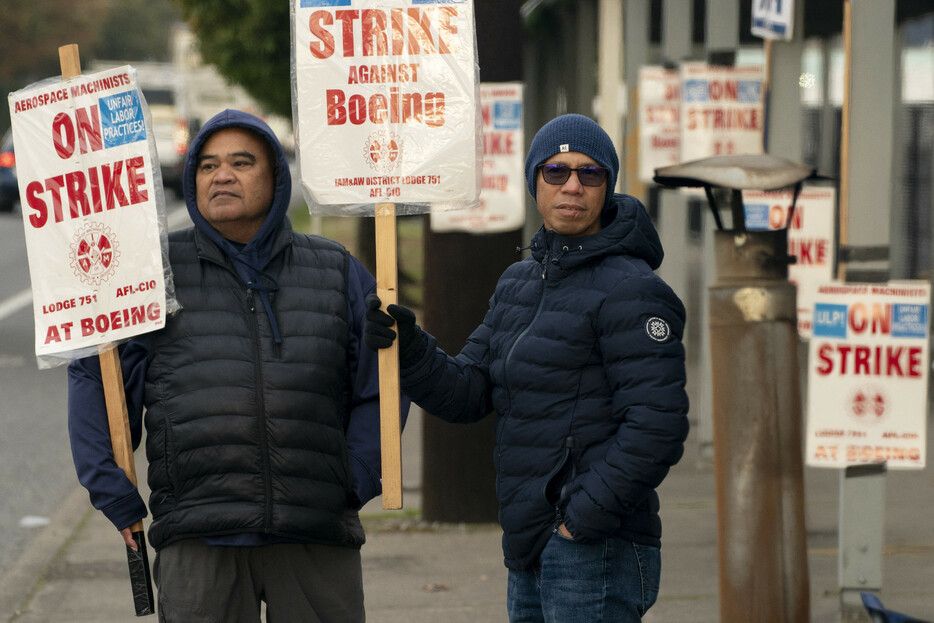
(659, 120)
(773, 19)
(721, 110)
(385, 98)
(811, 236)
(502, 196)
(868, 375)
(91, 197)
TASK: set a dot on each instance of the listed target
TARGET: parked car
(9, 189)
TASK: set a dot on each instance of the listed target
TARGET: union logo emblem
(383, 151)
(94, 254)
(868, 404)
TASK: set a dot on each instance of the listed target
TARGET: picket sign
(390, 418)
(387, 91)
(117, 417)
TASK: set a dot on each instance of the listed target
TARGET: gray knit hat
(572, 133)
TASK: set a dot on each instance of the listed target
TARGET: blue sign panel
(909, 320)
(696, 91)
(757, 216)
(122, 120)
(313, 3)
(829, 320)
(507, 115)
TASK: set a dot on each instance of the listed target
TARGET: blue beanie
(572, 133)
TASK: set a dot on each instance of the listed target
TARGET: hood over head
(248, 261)
(283, 184)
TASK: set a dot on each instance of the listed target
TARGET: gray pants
(198, 583)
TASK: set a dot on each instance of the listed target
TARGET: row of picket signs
(91, 193)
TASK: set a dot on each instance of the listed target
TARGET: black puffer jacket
(246, 435)
(580, 355)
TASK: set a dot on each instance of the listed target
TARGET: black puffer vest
(245, 435)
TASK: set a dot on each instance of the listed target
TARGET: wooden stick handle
(390, 426)
(117, 418)
(70, 60)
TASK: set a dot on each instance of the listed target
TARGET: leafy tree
(249, 43)
(33, 30)
(137, 30)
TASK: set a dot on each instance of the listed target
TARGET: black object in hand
(140, 577)
(378, 332)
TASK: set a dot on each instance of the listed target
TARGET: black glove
(377, 331)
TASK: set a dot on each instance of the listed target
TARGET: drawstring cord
(264, 291)
(564, 250)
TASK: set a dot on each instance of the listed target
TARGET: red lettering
(398, 31)
(54, 186)
(824, 353)
(325, 48)
(42, 211)
(881, 319)
(373, 24)
(113, 190)
(895, 361)
(347, 19)
(858, 321)
(335, 106)
(402, 108)
(89, 130)
(378, 107)
(63, 135)
(136, 177)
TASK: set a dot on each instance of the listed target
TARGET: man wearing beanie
(580, 355)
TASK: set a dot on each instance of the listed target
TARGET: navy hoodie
(110, 490)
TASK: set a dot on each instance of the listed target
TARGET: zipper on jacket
(522, 334)
(558, 520)
(261, 410)
(505, 417)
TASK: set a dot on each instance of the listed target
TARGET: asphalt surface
(74, 569)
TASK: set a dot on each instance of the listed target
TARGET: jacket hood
(250, 260)
(259, 245)
(626, 229)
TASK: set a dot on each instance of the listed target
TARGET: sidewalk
(74, 571)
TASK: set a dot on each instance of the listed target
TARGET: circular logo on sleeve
(657, 329)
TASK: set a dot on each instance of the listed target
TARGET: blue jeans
(612, 580)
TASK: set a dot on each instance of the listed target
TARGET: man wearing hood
(261, 405)
(580, 355)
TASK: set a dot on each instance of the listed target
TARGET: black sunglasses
(560, 173)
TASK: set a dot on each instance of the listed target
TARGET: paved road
(36, 471)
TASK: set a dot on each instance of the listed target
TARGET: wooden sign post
(401, 136)
(390, 425)
(115, 398)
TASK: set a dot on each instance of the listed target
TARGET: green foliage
(147, 39)
(249, 43)
(33, 30)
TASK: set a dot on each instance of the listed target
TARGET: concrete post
(610, 74)
(866, 199)
(677, 45)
